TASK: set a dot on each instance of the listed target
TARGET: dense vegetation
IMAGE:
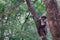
(16, 22)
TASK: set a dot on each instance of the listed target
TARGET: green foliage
(40, 7)
(1, 7)
(20, 24)
(14, 2)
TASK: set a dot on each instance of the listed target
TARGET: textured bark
(53, 18)
(36, 19)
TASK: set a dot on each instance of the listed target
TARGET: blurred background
(16, 22)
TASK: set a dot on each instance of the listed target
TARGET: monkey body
(41, 27)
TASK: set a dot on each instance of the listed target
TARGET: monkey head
(43, 17)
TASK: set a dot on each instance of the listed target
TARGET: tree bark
(33, 12)
(36, 18)
(53, 18)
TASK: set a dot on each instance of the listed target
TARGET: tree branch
(33, 12)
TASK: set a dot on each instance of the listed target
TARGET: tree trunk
(53, 18)
(36, 18)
